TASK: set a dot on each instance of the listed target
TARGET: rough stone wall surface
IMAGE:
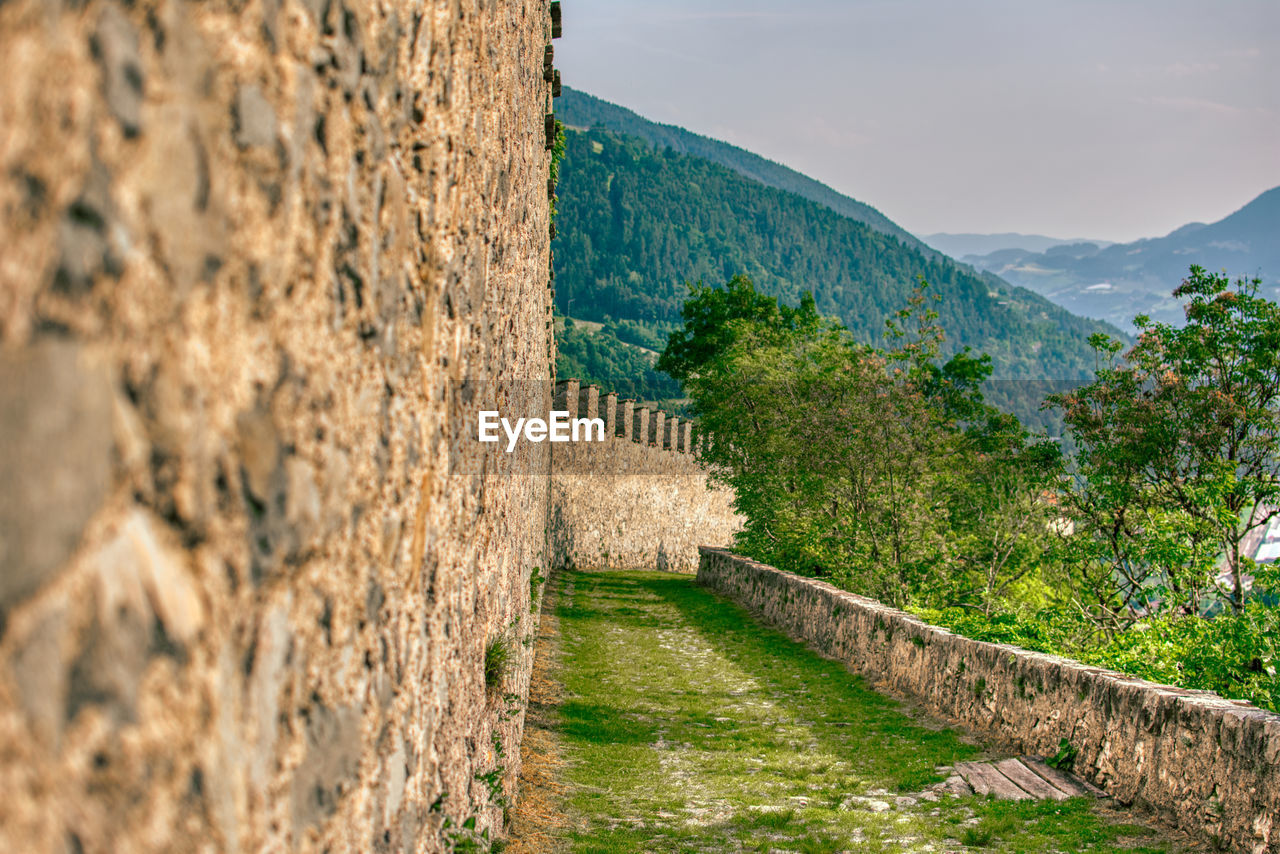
(1208, 764)
(251, 249)
(626, 504)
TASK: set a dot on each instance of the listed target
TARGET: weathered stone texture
(56, 466)
(250, 251)
(624, 504)
(1207, 764)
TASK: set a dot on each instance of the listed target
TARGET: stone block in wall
(566, 397)
(55, 459)
(624, 423)
(589, 402)
(609, 412)
(640, 424)
(254, 119)
(654, 434)
(671, 433)
(686, 437)
(331, 763)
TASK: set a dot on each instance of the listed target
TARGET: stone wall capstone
(1209, 765)
(255, 251)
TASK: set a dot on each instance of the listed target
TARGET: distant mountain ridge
(580, 110)
(960, 245)
(1115, 283)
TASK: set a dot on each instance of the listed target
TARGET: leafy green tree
(1179, 452)
(993, 477)
(714, 317)
(877, 469)
(820, 449)
(998, 516)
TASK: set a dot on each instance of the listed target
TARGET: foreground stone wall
(1208, 764)
(638, 500)
(253, 252)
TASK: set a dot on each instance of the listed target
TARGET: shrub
(497, 662)
(1234, 655)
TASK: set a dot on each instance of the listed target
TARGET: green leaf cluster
(883, 470)
(1179, 458)
(1235, 655)
(887, 472)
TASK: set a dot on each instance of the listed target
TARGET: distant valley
(1118, 281)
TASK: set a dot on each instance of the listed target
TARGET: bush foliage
(886, 472)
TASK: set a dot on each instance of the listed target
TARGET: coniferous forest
(636, 225)
(583, 111)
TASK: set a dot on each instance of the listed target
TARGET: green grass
(497, 661)
(689, 727)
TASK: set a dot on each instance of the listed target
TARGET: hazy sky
(1115, 119)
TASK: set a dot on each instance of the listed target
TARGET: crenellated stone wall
(638, 500)
(254, 253)
(1207, 764)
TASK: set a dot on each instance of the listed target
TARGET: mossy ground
(688, 726)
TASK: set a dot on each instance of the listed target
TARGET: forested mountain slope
(583, 111)
(635, 223)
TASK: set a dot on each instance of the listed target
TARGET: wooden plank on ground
(1030, 782)
(1069, 783)
(986, 780)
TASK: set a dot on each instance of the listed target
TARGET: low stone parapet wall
(1209, 765)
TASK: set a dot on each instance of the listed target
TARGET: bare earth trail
(672, 721)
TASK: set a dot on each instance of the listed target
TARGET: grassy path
(686, 726)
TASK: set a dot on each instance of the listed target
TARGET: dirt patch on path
(538, 822)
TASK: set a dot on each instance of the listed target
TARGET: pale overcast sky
(1113, 119)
